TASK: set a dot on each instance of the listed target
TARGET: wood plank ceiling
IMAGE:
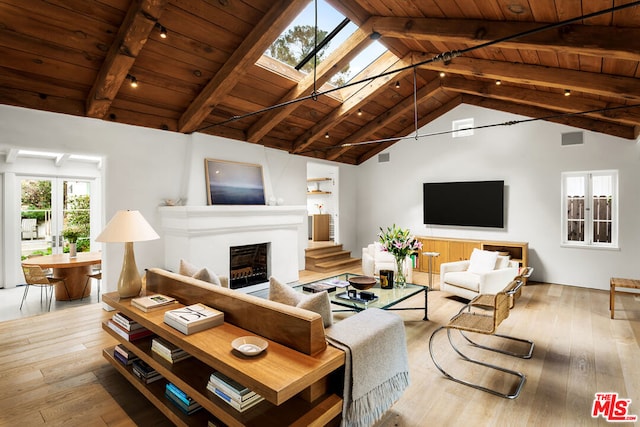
(78, 56)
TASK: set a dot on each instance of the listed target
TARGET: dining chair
(35, 276)
(96, 273)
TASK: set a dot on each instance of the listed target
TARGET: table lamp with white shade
(128, 227)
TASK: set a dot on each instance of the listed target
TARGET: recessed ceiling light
(442, 74)
(567, 92)
(516, 8)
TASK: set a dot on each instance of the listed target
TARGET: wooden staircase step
(328, 255)
(342, 263)
(329, 258)
(323, 250)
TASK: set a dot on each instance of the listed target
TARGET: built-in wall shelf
(318, 189)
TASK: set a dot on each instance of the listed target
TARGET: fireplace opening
(248, 265)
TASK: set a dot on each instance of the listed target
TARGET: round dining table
(74, 271)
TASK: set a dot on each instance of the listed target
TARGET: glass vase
(400, 279)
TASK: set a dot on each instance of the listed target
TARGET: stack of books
(126, 322)
(168, 351)
(124, 355)
(145, 372)
(193, 318)
(181, 400)
(152, 302)
(128, 329)
(235, 394)
(318, 287)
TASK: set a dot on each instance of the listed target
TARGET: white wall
(530, 159)
(143, 167)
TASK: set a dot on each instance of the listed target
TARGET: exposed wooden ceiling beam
(383, 119)
(336, 61)
(607, 42)
(131, 38)
(608, 128)
(386, 62)
(543, 99)
(582, 81)
(254, 45)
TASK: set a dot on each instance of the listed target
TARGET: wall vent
(383, 157)
(572, 138)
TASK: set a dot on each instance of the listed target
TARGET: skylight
(328, 20)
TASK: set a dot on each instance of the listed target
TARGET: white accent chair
(375, 258)
(485, 272)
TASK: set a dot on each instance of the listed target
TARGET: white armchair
(485, 273)
(374, 259)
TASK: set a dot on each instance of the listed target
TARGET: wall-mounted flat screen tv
(470, 203)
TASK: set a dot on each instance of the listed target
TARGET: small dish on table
(249, 345)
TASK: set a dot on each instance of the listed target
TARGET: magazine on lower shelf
(145, 372)
(168, 351)
(129, 335)
(124, 355)
(239, 406)
(181, 399)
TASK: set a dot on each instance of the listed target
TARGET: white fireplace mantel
(223, 218)
(203, 235)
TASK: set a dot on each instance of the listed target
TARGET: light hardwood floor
(52, 371)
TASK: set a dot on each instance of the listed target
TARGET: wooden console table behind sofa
(292, 375)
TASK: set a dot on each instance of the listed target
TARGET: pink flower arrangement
(399, 242)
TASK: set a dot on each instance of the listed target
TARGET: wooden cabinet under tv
(296, 396)
(454, 249)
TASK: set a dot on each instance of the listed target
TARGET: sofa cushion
(463, 279)
(283, 293)
(482, 261)
(204, 274)
(318, 302)
(502, 262)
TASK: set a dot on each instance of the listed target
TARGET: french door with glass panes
(48, 208)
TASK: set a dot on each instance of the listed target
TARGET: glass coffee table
(385, 299)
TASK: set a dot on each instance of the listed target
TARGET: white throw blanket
(376, 366)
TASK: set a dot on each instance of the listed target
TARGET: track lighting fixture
(397, 85)
(567, 92)
(132, 80)
(326, 135)
(162, 29)
(359, 112)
